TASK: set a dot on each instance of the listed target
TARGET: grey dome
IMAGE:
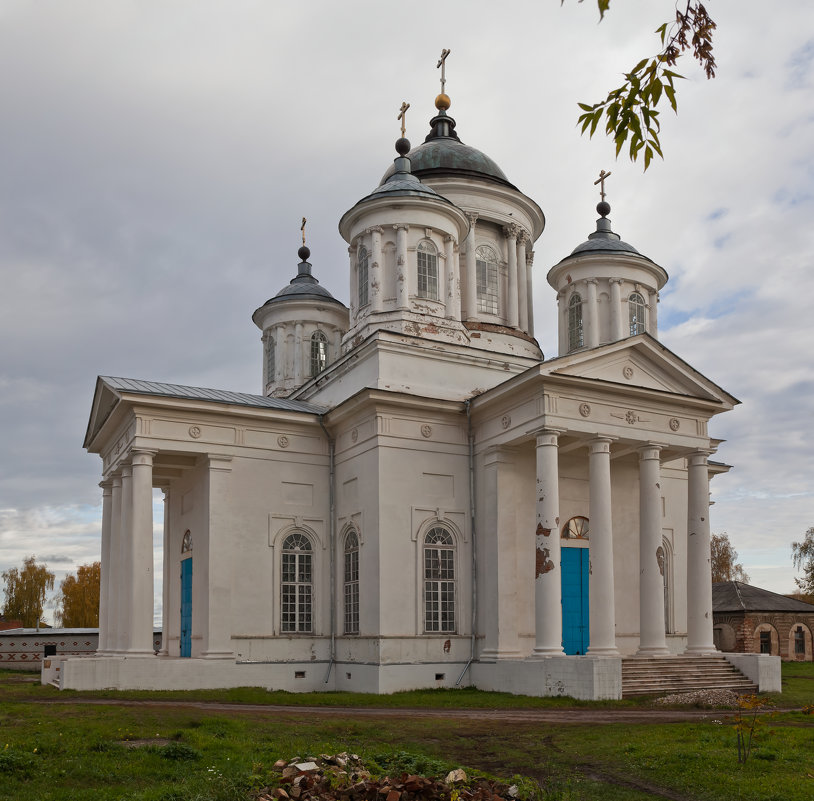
(604, 240)
(443, 154)
(303, 287)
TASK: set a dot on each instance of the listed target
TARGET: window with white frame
(427, 270)
(637, 313)
(296, 583)
(270, 363)
(351, 583)
(486, 279)
(439, 581)
(576, 338)
(362, 274)
(319, 352)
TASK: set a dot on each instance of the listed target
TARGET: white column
(216, 620)
(510, 232)
(522, 283)
(443, 277)
(601, 598)
(616, 318)
(125, 574)
(471, 282)
(530, 291)
(141, 556)
(699, 569)
(547, 572)
(279, 356)
(453, 311)
(652, 639)
(104, 586)
(354, 288)
(653, 314)
(375, 276)
(167, 563)
(402, 268)
(562, 310)
(592, 316)
(299, 356)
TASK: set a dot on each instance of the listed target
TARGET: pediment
(640, 362)
(105, 399)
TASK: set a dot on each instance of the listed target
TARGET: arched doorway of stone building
(186, 595)
(574, 562)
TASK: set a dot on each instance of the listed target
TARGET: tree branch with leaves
(630, 111)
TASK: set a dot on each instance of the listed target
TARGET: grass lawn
(82, 751)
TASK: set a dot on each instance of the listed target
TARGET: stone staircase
(660, 675)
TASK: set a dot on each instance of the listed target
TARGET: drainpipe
(471, 437)
(331, 536)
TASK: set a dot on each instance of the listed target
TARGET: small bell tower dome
(303, 326)
(606, 289)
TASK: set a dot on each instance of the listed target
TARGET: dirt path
(575, 715)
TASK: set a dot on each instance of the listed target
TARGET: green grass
(80, 751)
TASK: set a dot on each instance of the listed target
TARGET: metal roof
(139, 387)
(735, 596)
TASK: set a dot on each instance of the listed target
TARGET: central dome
(443, 154)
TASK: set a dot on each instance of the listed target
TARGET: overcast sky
(156, 159)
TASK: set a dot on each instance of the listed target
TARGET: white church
(419, 498)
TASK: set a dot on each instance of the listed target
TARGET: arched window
(576, 529)
(439, 581)
(362, 263)
(575, 335)
(186, 542)
(296, 584)
(427, 271)
(270, 360)
(319, 352)
(351, 583)
(637, 314)
(486, 279)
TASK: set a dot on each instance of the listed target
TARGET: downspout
(331, 537)
(471, 437)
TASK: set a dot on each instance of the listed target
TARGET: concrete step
(665, 675)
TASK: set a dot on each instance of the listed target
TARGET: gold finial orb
(442, 102)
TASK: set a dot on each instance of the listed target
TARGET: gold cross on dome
(302, 228)
(442, 63)
(601, 181)
(403, 117)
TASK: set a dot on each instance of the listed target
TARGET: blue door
(575, 631)
(186, 607)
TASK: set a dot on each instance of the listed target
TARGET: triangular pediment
(105, 399)
(641, 362)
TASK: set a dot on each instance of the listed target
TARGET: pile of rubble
(343, 777)
(711, 698)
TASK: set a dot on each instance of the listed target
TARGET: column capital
(600, 443)
(374, 229)
(592, 281)
(617, 281)
(449, 238)
(529, 258)
(127, 471)
(401, 226)
(523, 237)
(511, 230)
(220, 462)
(651, 450)
(472, 216)
(698, 457)
(142, 456)
(106, 485)
(547, 435)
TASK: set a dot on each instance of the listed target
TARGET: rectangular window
(439, 590)
(799, 640)
(427, 275)
(352, 592)
(765, 642)
(486, 274)
(296, 612)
